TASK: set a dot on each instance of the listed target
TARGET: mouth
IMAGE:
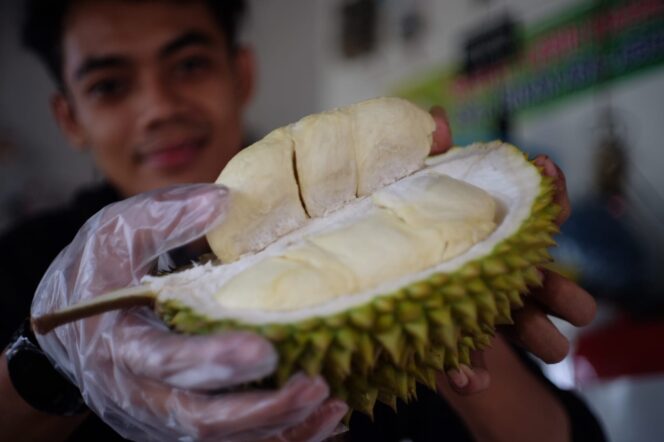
(170, 156)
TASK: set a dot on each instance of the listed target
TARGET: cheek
(218, 96)
(107, 125)
(224, 114)
(109, 136)
(222, 111)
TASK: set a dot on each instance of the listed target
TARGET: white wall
(284, 37)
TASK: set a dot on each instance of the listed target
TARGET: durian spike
(115, 300)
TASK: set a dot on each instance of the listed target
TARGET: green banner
(579, 49)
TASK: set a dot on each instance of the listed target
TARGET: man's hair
(43, 27)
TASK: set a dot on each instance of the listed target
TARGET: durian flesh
(405, 230)
(378, 281)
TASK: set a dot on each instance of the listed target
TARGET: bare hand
(558, 296)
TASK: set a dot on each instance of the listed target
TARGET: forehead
(131, 28)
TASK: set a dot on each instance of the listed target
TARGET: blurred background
(579, 80)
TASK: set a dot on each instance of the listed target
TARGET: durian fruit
(360, 258)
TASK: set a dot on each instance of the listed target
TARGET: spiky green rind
(379, 351)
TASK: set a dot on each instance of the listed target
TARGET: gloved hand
(145, 381)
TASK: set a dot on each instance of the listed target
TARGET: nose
(160, 102)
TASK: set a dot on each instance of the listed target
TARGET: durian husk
(381, 350)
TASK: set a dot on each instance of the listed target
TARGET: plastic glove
(145, 381)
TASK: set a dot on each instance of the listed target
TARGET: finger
(254, 415)
(560, 185)
(250, 415)
(118, 245)
(319, 426)
(131, 234)
(468, 380)
(442, 135)
(565, 299)
(146, 348)
(534, 331)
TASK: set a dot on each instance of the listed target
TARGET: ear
(65, 116)
(245, 69)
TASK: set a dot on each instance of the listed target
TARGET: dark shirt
(29, 248)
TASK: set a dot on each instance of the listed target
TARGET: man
(156, 90)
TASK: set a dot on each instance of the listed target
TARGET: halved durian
(362, 259)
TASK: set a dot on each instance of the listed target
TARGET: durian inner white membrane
(500, 172)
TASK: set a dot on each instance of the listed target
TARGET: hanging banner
(579, 49)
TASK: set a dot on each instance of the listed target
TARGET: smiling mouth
(173, 156)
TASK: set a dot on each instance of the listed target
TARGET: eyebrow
(92, 64)
(186, 39)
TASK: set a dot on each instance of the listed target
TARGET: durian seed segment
(316, 165)
(253, 222)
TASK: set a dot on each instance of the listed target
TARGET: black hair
(43, 27)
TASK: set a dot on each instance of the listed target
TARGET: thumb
(167, 218)
(131, 234)
(470, 379)
(442, 135)
(117, 246)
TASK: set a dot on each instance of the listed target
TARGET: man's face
(152, 90)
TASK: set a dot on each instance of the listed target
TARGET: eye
(192, 65)
(107, 88)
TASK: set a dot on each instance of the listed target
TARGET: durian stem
(115, 300)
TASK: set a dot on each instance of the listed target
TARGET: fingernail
(458, 378)
(466, 370)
